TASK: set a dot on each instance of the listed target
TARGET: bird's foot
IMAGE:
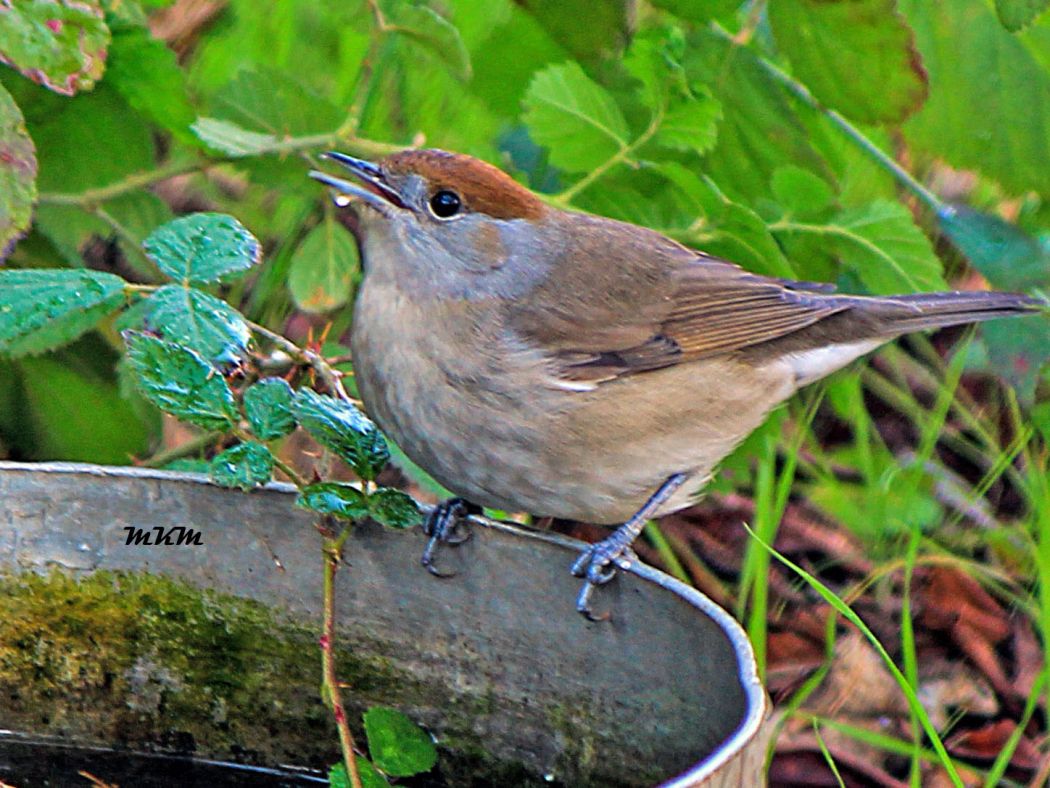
(446, 524)
(597, 565)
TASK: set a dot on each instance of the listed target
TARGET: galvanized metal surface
(669, 683)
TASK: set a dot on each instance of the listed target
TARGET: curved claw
(445, 525)
(583, 604)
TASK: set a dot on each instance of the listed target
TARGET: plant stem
(332, 378)
(191, 446)
(332, 559)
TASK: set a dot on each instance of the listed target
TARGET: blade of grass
(827, 755)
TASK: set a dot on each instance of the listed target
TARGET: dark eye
(445, 204)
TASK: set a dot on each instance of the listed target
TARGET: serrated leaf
(43, 308)
(17, 174)
(691, 124)
(229, 138)
(370, 777)
(334, 498)
(432, 31)
(321, 272)
(202, 248)
(268, 406)
(1016, 14)
(393, 508)
(145, 72)
(574, 117)
(199, 321)
(855, 56)
(1007, 256)
(180, 382)
(607, 28)
(243, 466)
(988, 110)
(344, 429)
(60, 45)
(397, 745)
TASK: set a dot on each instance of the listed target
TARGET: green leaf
(44, 308)
(393, 508)
(397, 745)
(341, 427)
(855, 56)
(574, 117)
(1007, 256)
(800, 192)
(691, 124)
(268, 406)
(1016, 14)
(370, 777)
(272, 101)
(146, 73)
(202, 248)
(17, 174)
(244, 466)
(607, 27)
(199, 321)
(334, 498)
(431, 31)
(988, 110)
(321, 272)
(180, 382)
(698, 10)
(1017, 350)
(231, 139)
(61, 46)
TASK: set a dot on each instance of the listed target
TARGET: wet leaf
(344, 429)
(17, 174)
(321, 272)
(180, 382)
(393, 508)
(431, 31)
(370, 777)
(335, 498)
(1016, 14)
(229, 138)
(397, 745)
(574, 117)
(268, 406)
(202, 248)
(198, 321)
(243, 466)
(1006, 255)
(60, 45)
(41, 309)
(855, 56)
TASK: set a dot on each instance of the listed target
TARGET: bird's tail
(897, 315)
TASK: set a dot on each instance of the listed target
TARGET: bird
(573, 366)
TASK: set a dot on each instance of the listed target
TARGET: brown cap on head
(481, 186)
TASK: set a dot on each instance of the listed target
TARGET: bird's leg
(599, 562)
(445, 525)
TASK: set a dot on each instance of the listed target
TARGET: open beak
(372, 189)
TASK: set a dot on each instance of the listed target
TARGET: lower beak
(372, 189)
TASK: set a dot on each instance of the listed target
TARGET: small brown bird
(567, 365)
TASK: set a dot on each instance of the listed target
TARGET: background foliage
(883, 145)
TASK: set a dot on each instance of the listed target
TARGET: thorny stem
(332, 558)
(330, 377)
(192, 446)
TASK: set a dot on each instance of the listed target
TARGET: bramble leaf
(229, 138)
(393, 508)
(199, 321)
(202, 248)
(334, 498)
(268, 406)
(243, 466)
(344, 429)
(1017, 14)
(431, 31)
(397, 745)
(17, 174)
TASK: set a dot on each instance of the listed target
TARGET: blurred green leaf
(231, 139)
(61, 46)
(393, 508)
(17, 174)
(430, 30)
(588, 29)
(147, 74)
(243, 466)
(1016, 14)
(855, 56)
(271, 101)
(397, 745)
(370, 777)
(574, 117)
(1007, 256)
(41, 309)
(698, 10)
(180, 382)
(335, 498)
(691, 124)
(1017, 349)
(988, 110)
(321, 272)
(202, 248)
(341, 427)
(800, 192)
(199, 321)
(268, 406)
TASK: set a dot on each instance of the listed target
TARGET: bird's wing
(651, 313)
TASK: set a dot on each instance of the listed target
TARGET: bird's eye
(445, 204)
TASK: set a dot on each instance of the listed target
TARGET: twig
(332, 378)
(192, 446)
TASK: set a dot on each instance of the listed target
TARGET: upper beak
(373, 188)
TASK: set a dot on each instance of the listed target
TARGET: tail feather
(902, 314)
